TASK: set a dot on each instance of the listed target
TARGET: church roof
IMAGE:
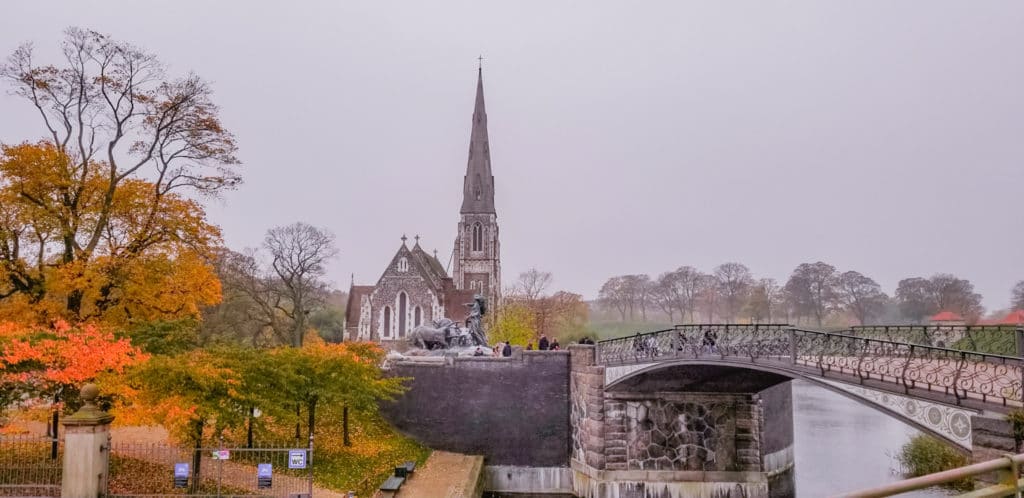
(355, 299)
(478, 185)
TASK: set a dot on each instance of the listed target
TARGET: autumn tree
(513, 322)
(1017, 296)
(813, 288)
(103, 199)
(734, 281)
(861, 296)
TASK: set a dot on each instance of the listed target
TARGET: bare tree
(1017, 296)
(861, 296)
(956, 294)
(532, 284)
(764, 300)
(914, 296)
(663, 295)
(812, 286)
(299, 253)
(734, 281)
(613, 295)
(708, 296)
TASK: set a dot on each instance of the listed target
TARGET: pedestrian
(554, 345)
(529, 346)
(479, 351)
(543, 344)
(496, 350)
(710, 338)
(507, 350)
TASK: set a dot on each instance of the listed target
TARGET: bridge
(701, 410)
(902, 370)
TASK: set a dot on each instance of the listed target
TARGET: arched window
(387, 322)
(417, 317)
(403, 265)
(478, 237)
(401, 314)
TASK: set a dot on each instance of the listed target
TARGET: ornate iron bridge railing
(989, 378)
(1005, 340)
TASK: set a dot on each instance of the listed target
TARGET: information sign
(221, 454)
(181, 475)
(264, 476)
(296, 459)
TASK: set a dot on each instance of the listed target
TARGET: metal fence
(30, 465)
(957, 373)
(152, 470)
(990, 339)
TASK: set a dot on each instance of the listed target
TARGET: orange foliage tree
(43, 365)
(96, 218)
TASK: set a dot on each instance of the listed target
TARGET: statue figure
(477, 309)
(440, 335)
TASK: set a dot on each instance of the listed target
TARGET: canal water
(842, 445)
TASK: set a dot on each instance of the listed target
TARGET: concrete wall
(513, 411)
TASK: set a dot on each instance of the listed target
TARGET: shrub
(924, 455)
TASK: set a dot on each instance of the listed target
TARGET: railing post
(86, 448)
(1019, 336)
(792, 345)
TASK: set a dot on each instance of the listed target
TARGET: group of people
(504, 349)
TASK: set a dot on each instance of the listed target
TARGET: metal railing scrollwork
(989, 378)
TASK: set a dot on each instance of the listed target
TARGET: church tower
(477, 251)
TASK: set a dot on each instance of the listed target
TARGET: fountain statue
(447, 334)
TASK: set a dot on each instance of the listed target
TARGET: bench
(392, 484)
(405, 469)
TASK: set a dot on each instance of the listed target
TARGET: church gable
(405, 265)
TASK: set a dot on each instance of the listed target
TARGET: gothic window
(401, 314)
(417, 317)
(403, 265)
(387, 322)
(478, 237)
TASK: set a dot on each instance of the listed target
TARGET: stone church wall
(513, 411)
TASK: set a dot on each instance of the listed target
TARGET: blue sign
(264, 476)
(264, 470)
(181, 475)
(296, 459)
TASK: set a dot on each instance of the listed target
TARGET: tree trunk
(197, 456)
(344, 426)
(248, 432)
(311, 412)
(298, 419)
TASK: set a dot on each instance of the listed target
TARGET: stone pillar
(86, 448)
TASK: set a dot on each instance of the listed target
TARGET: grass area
(611, 330)
(375, 451)
(133, 476)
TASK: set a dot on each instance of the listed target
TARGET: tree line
(815, 293)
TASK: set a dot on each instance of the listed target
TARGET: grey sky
(626, 137)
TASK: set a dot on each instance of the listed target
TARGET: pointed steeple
(478, 186)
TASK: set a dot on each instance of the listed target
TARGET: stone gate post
(86, 448)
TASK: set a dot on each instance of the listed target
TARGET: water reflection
(842, 445)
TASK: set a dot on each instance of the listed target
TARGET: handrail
(1009, 483)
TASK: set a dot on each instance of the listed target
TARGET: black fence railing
(989, 378)
(29, 466)
(162, 469)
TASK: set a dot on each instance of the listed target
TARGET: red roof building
(946, 316)
(1014, 318)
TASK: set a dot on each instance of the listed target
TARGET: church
(415, 288)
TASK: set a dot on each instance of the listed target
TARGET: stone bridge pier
(679, 431)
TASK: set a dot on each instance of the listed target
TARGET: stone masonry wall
(588, 408)
(683, 432)
(513, 411)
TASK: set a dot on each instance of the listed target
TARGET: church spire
(478, 185)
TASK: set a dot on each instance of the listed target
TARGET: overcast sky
(626, 137)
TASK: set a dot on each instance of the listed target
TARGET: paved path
(445, 475)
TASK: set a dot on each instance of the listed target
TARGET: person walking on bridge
(543, 344)
(507, 350)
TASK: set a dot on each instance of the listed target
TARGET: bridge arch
(945, 422)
